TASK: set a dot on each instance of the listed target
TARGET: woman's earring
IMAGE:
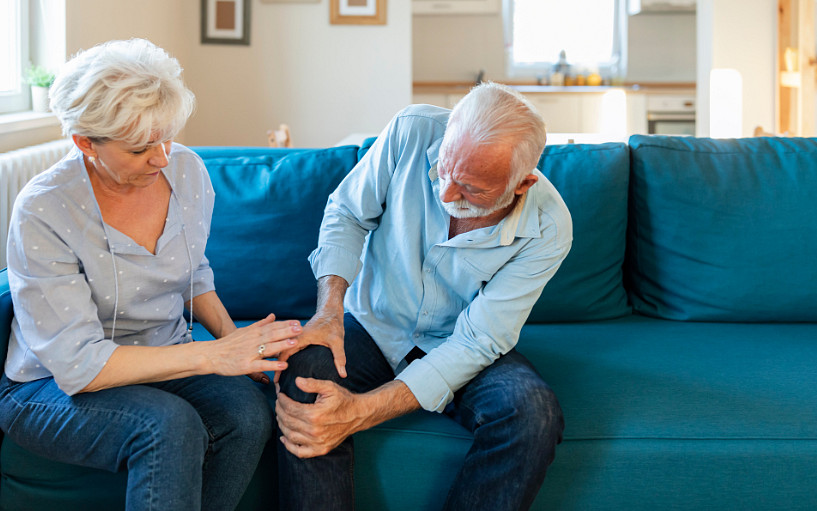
(92, 159)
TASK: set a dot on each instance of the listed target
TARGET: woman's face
(120, 165)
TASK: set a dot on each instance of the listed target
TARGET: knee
(251, 419)
(311, 362)
(536, 413)
(174, 426)
(545, 410)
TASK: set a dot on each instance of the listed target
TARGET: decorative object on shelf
(290, 1)
(280, 137)
(357, 12)
(225, 22)
(40, 79)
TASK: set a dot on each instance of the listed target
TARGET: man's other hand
(315, 429)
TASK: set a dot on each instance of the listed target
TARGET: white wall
(741, 35)
(325, 81)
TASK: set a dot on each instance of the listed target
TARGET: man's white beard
(464, 209)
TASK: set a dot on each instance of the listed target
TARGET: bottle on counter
(561, 71)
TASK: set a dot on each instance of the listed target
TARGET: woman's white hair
(130, 91)
(492, 113)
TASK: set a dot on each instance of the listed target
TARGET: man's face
(474, 180)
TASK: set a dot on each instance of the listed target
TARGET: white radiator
(16, 169)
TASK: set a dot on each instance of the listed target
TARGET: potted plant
(40, 80)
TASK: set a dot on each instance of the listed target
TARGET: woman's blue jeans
(188, 444)
(514, 416)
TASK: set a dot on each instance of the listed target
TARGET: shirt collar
(521, 222)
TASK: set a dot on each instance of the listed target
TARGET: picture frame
(357, 12)
(225, 22)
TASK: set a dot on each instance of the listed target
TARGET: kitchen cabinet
(574, 110)
(563, 112)
(455, 6)
(647, 6)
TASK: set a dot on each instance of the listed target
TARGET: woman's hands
(246, 350)
(323, 330)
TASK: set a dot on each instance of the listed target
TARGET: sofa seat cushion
(644, 378)
(671, 415)
(724, 230)
(268, 210)
(593, 181)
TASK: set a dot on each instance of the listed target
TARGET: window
(592, 33)
(13, 55)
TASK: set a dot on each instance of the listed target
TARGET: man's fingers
(313, 386)
(339, 354)
(301, 451)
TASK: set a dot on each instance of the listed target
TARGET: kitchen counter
(613, 110)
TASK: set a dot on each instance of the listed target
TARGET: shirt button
(425, 313)
(428, 270)
(416, 336)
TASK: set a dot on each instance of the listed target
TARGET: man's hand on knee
(315, 429)
(321, 330)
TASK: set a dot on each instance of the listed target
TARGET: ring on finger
(261, 349)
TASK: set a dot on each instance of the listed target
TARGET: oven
(670, 115)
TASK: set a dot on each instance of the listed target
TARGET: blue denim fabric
(188, 444)
(514, 416)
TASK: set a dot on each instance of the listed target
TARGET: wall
(661, 47)
(325, 81)
(741, 35)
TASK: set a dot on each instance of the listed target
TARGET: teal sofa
(680, 333)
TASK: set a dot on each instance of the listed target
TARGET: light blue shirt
(462, 300)
(70, 273)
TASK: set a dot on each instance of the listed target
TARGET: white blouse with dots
(81, 287)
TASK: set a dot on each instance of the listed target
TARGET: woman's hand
(322, 330)
(245, 351)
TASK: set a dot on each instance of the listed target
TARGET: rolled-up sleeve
(488, 328)
(53, 306)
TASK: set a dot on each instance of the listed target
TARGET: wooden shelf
(796, 78)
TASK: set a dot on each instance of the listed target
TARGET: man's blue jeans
(514, 416)
(188, 444)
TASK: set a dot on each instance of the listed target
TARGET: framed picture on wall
(225, 21)
(357, 12)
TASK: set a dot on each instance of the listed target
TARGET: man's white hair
(130, 91)
(492, 113)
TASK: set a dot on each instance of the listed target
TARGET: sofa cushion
(267, 215)
(724, 230)
(593, 181)
(720, 415)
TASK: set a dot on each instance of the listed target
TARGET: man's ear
(525, 184)
(84, 144)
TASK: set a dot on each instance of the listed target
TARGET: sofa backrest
(269, 206)
(723, 230)
(268, 210)
(593, 181)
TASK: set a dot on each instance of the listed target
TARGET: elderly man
(463, 234)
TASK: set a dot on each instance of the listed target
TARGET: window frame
(615, 69)
(20, 99)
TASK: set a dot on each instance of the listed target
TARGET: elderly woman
(106, 250)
